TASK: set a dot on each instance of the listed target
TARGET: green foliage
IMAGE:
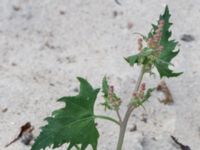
(148, 94)
(73, 124)
(105, 87)
(142, 58)
(139, 102)
(161, 60)
(169, 46)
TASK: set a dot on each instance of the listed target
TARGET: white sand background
(45, 44)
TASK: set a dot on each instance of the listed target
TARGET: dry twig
(25, 132)
(162, 87)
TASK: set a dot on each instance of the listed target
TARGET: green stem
(139, 81)
(107, 118)
(128, 113)
(118, 115)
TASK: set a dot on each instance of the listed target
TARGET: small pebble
(75, 90)
(14, 64)
(187, 38)
(27, 139)
(154, 139)
(51, 84)
(5, 110)
(144, 120)
(62, 12)
(115, 14)
(16, 8)
(71, 59)
(134, 128)
(48, 45)
(129, 25)
(117, 2)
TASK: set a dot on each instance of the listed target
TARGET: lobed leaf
(73, 124)
(169, 46)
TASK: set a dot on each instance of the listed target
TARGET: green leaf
(161, 60)
(169, 46)
(105, 90)
(139, 102)
(73, 124)
(140, 58)
(132, 59)
(148, 94)
(105, 87)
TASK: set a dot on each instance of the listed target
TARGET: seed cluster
(140, 94)
(153, 42)
(113, 99)
(140, 45)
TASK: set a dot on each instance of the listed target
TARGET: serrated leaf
(163, 60)
(73, 124)
(169, 46)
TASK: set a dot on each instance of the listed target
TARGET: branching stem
(128, 113)
(119, 116)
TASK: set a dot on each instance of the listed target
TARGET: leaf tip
(80, 79)
(126, 59)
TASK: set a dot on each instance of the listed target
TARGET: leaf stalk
(107, 118)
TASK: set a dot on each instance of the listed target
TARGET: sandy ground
(45, 44)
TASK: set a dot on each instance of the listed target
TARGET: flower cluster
(114, 101)
(140, 45)
(153, 42)
(139, 95)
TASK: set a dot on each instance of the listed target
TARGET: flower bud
(161, 23)
(134, 94)
(160, 48)
(140, 45)
(143, 87)
(158, 30)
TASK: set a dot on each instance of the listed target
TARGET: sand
(46, 44)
